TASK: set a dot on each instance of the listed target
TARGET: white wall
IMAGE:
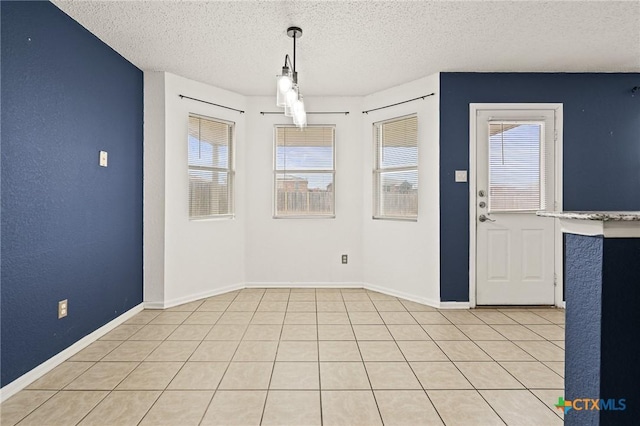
(304, 251)
(402, 257)
(201, 257)
(153, 203)
(187, 260)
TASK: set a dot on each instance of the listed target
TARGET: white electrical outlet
(345, 259)
(103, 158)
(62, 308)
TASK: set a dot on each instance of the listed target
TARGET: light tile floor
(308, 357)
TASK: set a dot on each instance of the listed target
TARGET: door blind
(516, 166)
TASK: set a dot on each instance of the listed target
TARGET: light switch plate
(103, 158)
(461, 175)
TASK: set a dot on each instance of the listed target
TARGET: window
(516, 166)
(304, 171)
(210, 167)
(395, 173)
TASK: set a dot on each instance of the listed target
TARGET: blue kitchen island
(602, 294)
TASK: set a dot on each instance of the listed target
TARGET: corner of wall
(154, 187)
(406, 253)
(200, 257)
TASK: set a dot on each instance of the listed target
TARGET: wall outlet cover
(461, 175)
(103, 158)
(63, 308)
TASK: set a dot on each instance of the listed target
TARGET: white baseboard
(31, 376)
(153, 305)
(193, 297)
(454, 305)
(406, 296)
(272, 284)
(422, 300)
(296, 284)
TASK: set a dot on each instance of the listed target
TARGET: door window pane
(515, 164)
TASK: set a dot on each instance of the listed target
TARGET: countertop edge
(604, 216)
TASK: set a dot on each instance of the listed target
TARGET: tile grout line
(315, 295)
(362, 358)
(215, 391)
(513, 341)
(545, 404)
(474, 387)
(273, 366)
(490, 406)
(169, 382)
(466, 378)
(492, 360)
(409, 364)
(108, 391)
(184, 363)
(34, 409)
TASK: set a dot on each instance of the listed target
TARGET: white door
(514, 179)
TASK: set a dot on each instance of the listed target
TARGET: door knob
(483, 218)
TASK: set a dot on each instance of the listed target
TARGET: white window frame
(378, 171)
(230, 170)
(332, 215)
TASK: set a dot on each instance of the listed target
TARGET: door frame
(558, 240)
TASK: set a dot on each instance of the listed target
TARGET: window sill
(306, 217)
(400, 219)
(212, 218)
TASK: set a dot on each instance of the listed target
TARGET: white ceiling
(360, 47)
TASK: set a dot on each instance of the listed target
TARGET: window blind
(304, 171)
(210, 148)
(516, 166)
(395, 192)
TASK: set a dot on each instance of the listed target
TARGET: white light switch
(103, 158)
(461, 175)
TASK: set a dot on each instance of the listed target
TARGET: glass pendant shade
(284, 84)
(299, 113)
(290, 97)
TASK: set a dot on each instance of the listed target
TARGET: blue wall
(601, 149)
(620, 319)
(70, 229)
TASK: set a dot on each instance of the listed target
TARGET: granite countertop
(604, 216)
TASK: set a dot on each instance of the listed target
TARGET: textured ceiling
(360, 47)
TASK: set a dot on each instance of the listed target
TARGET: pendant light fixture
(288, 93)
